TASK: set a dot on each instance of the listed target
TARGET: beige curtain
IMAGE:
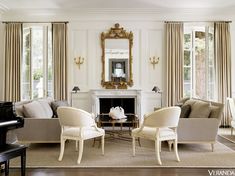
(174, 62)
(223, 65)
(13, 52)
(59, 47)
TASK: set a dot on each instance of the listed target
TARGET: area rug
(226, 134)
(119, 154)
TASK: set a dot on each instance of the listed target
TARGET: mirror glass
(117, 58)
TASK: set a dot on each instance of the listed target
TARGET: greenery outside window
(36, 73)
(199, 68)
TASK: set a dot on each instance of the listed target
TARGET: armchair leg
(76, 145)
(176, 149)
(157, 145)
(62, 143)
(169, 144)
(212, 147)
(80, 151)
(133, 146)
(102, 144)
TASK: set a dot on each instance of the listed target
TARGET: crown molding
(121, 13)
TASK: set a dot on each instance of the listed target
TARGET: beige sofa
(39, 124)
(202, 123)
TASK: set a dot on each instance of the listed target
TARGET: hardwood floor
(123, 171)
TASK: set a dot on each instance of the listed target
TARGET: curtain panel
(59, 53)
(13, 54)
(223, 66)
(174, 62)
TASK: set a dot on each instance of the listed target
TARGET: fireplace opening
(128, 104)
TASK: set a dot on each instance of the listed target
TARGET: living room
(148, 52)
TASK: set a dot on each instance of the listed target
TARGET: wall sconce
(157, 90)
(79, 61)
(154, 60)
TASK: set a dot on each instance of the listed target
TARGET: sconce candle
(79, 61)
(154, 60)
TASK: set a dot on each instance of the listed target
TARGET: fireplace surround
(103, 99)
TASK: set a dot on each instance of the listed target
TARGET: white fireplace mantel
(96, 94)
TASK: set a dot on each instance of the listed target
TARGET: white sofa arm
(191, 130)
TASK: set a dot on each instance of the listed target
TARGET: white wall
(84, 31)
(84, 40)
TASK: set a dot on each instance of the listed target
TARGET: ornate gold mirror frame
(116, 33)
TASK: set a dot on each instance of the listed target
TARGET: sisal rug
(119, 154)
(226, 134)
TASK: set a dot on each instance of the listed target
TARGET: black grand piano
(9, 121)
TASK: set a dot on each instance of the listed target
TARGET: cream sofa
(39, 124)
(202, 123)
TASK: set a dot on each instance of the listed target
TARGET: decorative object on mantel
(158, 90)
(74, 90)
(117, 58)
(154, 60)
(79, 61)
(117, 113)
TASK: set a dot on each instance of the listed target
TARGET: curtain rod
(197, 21)
(35, 22)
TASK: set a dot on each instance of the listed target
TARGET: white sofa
(39, 126)
(200, 126)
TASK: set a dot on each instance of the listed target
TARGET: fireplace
(103, 99)
(128, 104)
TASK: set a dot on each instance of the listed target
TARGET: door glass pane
(200, 65)
(25, 74)
(50, 69)
(37, 62)
(211, 72)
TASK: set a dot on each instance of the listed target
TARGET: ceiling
(68, 4)
(198, 10)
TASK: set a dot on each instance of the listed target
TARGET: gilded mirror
(117, 58)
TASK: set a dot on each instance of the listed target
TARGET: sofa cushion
(35, 109)
(185, 111)
(46, 108)
(19, 107)
(56, 104)
(215, 110)
(190, 102)
(200, 109)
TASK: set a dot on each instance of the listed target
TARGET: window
(199, 74)
(36, 73)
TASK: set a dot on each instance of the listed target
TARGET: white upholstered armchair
(78, 125)
(160, 125)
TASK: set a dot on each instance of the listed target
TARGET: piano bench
(9, 151)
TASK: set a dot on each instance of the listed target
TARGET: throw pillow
(56, 104)
(200, 109)
(185, 111)
(214, 112)
(34, 110)
(46, 108)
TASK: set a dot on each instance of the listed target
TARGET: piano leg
(6, 167)
(23, 162)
